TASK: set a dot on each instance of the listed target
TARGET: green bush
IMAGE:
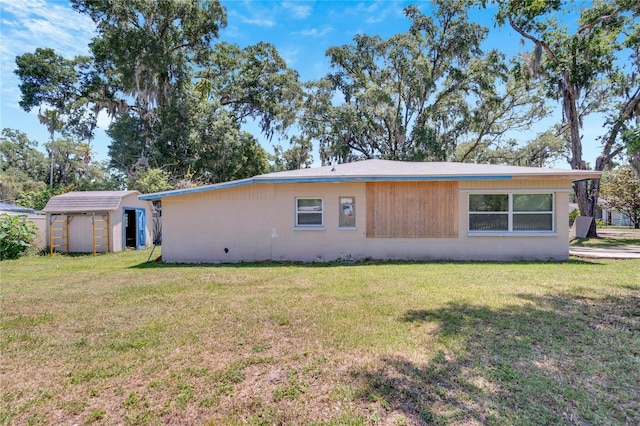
(16, 236)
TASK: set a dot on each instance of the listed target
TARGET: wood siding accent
(519, 183)
(412, 209)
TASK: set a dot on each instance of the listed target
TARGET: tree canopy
(430, 93)
(621, 190)
(181, 98)
(589, 69)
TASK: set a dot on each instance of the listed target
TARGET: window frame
(511, 213)
(297, 213)
(340, 212)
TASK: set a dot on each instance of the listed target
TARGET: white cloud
(299, 11)
(260, 22)
(375, 12)
(27, 25)
(314, 32)
(254, 19)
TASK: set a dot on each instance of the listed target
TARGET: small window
(347, 213)
(309, 212)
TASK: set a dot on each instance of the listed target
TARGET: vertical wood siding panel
(412, 209)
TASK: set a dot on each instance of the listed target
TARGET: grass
(610, 237)
(112, 340)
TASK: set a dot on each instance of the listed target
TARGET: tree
(297, 156)
(417, 95)
(252, 83)
(56, 84)
(144, 51)
(581, 70)
(621, 190)
(36, 198)
(19, 154)
(161, 56)
(149, 181)
(22, 166)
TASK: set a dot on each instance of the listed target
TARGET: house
(98, 221)
(36, 217)
(607, 214)
(374, 209)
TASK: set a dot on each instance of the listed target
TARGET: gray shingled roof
(86, 201)
(386, 170)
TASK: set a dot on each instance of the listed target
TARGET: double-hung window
(309, 213)
(511, 212)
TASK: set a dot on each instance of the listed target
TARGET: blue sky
(301, 31)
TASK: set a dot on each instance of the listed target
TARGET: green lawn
(610, 237)
(112, 340)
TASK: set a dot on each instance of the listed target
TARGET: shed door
(141, 224)
(134, 229)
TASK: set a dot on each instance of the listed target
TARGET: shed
(378, 209)
(98, 221)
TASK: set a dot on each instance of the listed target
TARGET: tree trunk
(587, 197)
(586, 190)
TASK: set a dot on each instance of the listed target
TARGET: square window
(309, 212)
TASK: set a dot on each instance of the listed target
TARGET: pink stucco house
(375, 209)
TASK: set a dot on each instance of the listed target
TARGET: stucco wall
(256, 222)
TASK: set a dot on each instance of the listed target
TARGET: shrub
(16, 236)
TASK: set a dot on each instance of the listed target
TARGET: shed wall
(256, 222)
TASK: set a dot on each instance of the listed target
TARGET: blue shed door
(141, 227)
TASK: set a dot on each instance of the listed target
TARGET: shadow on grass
(555, 360)
(605, 242)
(273, 264)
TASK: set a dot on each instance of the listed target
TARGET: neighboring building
(373, 209)
(98, 221)
(607, 214)
(36, 217)
(613, 216)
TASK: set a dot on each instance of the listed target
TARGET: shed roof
(387, 170)
(86, 201)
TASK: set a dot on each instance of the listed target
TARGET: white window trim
(510, 232)
(320, 227)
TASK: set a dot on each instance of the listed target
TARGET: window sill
(308, 228)
(512, 234)
(347, 228)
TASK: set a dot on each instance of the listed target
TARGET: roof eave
(339, 179)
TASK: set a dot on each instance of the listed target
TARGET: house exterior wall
(616, 218)
(257, 222)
